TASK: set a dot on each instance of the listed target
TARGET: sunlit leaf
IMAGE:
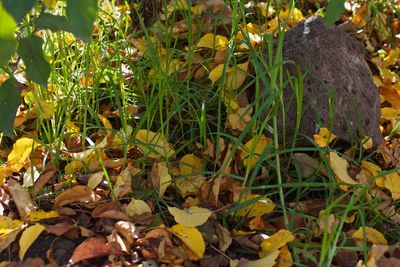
(191, 237)
(252, 150)
(260, 207)
(374, 170)
(42, 215)
(8, 44)
(191, 217)
(28, 237)
(154, 145)
(285, 258)
(392, 183)
(324, 137)
(20, 153)
(9, 230)
(275, 242)
(30, 176)
(372, 235)
(137, 207)
(339, 167)
(218, 42)
(292, 15)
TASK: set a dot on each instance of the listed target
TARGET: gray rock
(336, 72)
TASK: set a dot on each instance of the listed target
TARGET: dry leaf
(160, 177)
(28, 237)
(308, 165)
(9, 230)
(154, 145)
(76, 194)
(260, 207)
(253, 149)
(36, 216)
(268, 261)
(224, 237)
(137, 207)
(95, 179)
(22, 199)
(275, 242)
(339, 167)
(372, 235)
(217, 42)
(191, 237)
(94, 247)
(324, 137)
(392, 182)
(191, 217)
(20, 153)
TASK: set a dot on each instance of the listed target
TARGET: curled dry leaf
(76, 194)
(339, 167)
(191, 217)
(372, 235)
(94, 247)
(191, 237)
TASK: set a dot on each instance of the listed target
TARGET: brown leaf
(94, 247)
(224, 237)
(78, 193)
(22, 199)
(44, 179)
(59, 229)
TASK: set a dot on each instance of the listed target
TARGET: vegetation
(141, 132)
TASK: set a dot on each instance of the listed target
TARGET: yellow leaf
(293, 16)
(339, 167)
(164, 177)
(154, 145)
(20, 153)
(266, 9)
(372, 235)
(189, 185)
(210, 40)
(242, 233)
(9, 230)
(35, 216)
(324, 137)
(95, 179)
(285, 258)
(191, 217)
(392, 182)
(137, 207)
(236, 76)
(5, 172)
(28, 237)
(390, 113)
(191, 237)
(71, 127)
(268, 261)
(253, 149)
(374, 171)
(260, 207)
(190, 165)
(275, 242)
(45, 109)
(216, 73)
(367, 142)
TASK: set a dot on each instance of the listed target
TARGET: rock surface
(336, 72)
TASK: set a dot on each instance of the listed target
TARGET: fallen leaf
(260, 207)
(30, 176)
(20, 153)
(339, 167)
(137, 207)
(191, 217)
(154, 145)
(324, 137)
(252, 150)
(372, 235)
(160, 177)
(239, 118)
(292, 15)
(392, 183)
(76, 194)
(217, 42)
(35, 216)
(28, 237)
(374, 170)
(191, 237)
(268, 261)
(95, 179)
(285, 258)
(94, 247)
(308, 165)
(224, 237)
(22, 199)
(9, 230)
(275, 242)
(59, 229)
(191, 180)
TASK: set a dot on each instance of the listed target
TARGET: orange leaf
(94, 247)
(79, 193)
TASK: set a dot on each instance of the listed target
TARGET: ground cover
(152, 144)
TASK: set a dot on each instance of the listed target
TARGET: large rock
(336, 72)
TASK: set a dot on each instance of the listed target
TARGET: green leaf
(50, 4)
(334, 9)
(52, 22)
(18, 8)
(30, 50)
(81, 15)
(10, 100)
(8, 44)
